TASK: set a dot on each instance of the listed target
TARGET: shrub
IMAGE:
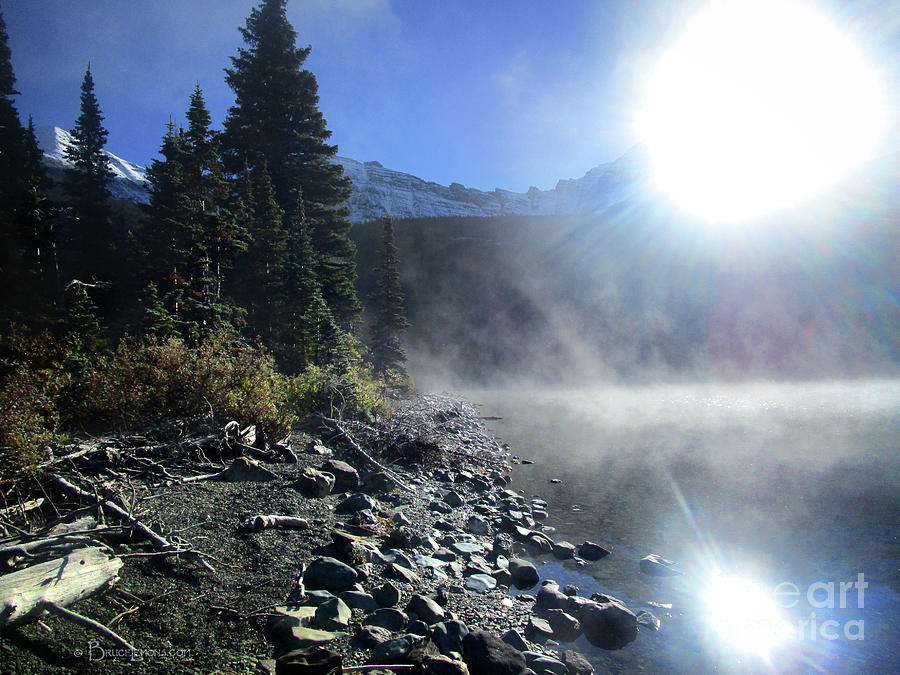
(150, 380)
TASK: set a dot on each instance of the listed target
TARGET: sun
(758, 106)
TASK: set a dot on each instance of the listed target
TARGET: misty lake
(780, 483)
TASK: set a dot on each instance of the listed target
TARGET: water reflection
(779, 484)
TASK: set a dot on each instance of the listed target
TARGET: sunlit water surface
(775, 483)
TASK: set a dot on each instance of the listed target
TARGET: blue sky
(488, 94)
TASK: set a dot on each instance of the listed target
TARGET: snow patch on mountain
(378, 191)
(129, 181)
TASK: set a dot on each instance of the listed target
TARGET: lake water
(795, 484)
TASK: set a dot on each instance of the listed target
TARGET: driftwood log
(25, 594)
(257, 523)
(110, 507)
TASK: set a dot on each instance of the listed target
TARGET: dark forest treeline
(234, 289)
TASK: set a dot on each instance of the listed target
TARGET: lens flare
(745, 614)
(760, 105)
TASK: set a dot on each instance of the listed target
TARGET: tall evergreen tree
(193, 234)
(162, 239)
(258, 280)
(26, 255)
(390, 317)
(276, 121)
(89, 238)
(309, 333)
(215, 234)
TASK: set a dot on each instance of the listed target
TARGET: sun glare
(745, 614)
(759, 105)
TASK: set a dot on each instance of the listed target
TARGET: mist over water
(780, 482)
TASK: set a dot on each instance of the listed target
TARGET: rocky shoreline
(399, 546)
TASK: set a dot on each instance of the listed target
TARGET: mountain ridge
(379, 191)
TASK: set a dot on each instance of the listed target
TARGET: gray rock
(394, 651)
(575, 604)
(400, 518)
(309, 660)
(563, 550)
(426, 609)
(503, 576)
(477, 525)
(346, 477)
(608, 625)
(329, 574)
(417, 627)
(514, 637)
(566, 628)
(481, 583)
(371, 636)
(486, 654)
(570, 589)
(357, 502)
(444, 665)
(444, 554)
(648, 619)
(540, 541)
(576, 663)
(467, 547)
(440, 507)
(402, 537)
(448, 636)
(550, 597)
(317, 483)
(395, 571)
(392, 619)
(453, 499)
(502, 545)
(542, 664)
(538, 629)
(658, 566)
(592, 551)
(359, 600)
(332, 614)
(524, 574)
(315, 598)
(386, 595)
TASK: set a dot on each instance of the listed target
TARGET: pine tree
(276, 122)
(387, 330)
(26, 255)
(162, 239)
(258, 280)
(89, 238)
(216, 235)
(194, 234)
(309, 334)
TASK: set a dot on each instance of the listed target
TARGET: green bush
(30, 382)
(149, 380)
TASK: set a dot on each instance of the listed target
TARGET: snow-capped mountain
(130, 180)
(378, 191)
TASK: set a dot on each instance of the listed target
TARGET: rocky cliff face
(378, 191)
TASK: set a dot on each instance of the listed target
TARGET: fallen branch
(90, 624)
(365, 455)
(241, 469)
(158, 542)
(257, 523)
